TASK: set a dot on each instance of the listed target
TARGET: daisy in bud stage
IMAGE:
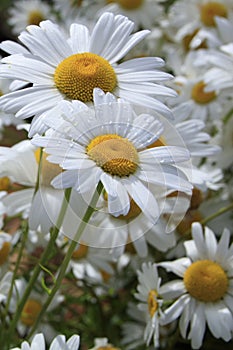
(204, 296)
(107, 144)
(69, 68)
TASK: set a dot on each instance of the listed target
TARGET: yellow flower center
(200, 96)
(130, 4)
(30, 312)
(4, 252)
(81, 252)
(206, 281)
(35, 17)
(4, 183)
(210, 10)
(1, 93)
(152, 302)
(114, 154)
(48, 170)
(76, 76)
(188, 38)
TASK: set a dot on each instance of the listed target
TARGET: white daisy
(197, 100)
(150, 301)
(204, 296)
(144, 13)
(20, 164)
(194, 22)
(108, 144)
(59, 343)
(61, 67)
(88, 263)
(26, 12)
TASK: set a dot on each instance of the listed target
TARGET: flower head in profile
(107, 144)
(204, 295)
(69, 68)
(150, 300)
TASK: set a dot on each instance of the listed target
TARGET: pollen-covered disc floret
(76, 76)
(206, 280)
(204, 296)
(114, 154)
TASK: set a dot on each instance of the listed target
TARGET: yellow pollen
(76, 76)
(200, 96)
(205, 280)
(114, 154)
(30, 312)
(1, 93)
(4, 252)
(152, 302)
(210, 10)
(81, 252)
(4, 183)
(48, 170)
(130, 4)
(35, 17)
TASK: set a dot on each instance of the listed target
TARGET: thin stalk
(42, 261)
(90, 210)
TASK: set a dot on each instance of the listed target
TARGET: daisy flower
(88, 263)
(150, 301)
(20, 164)
(194, 22)
(59, 343)
(204, 295)
(108, 144)
(69, 68)
(26, 12)
(144, 13)
(197, 100)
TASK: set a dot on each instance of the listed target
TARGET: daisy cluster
(116, 124)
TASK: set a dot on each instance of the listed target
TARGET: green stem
(20, 254)
(73, 245)
(42, 261)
